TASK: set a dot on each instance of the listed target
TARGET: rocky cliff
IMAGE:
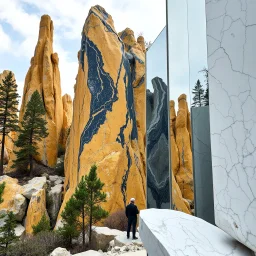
(184, 174)
(67, 119)
(107, 99)
(181, 157)
(44, 76)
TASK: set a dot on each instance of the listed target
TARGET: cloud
(5, 41)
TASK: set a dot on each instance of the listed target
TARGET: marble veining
(174, 233)
(158, 192)
(231, 39)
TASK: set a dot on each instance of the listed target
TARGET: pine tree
(206, 95)
(2, 187)
(83, 210)
(198, 91)
(7, 232)
(8, 110)
(42, 225)
(89, 196)
(69, 230)
(33, 129)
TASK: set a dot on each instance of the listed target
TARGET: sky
(19, 27)
(187, 49)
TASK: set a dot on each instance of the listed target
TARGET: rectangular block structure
(202, 164)
(231, 38)
(157, 117)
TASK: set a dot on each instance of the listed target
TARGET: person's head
(132, 200)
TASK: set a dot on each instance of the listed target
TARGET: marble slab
(174, 233)
(231, 39)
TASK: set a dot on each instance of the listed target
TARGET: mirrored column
(192, 190)
(157, 118)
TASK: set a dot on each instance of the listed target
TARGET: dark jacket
(131, 210)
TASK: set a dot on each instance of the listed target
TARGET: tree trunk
(31, 165)
(90, 224)
(30, 156)
(83, 225)
(2, 153)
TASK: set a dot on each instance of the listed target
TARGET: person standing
(131, 212)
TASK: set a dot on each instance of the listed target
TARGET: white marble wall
(231, 38)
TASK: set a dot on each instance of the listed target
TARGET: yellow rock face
(136, 51)
(44, 76)
(184, 176)
(36, 210)
(104, 130)
(179, 203)
(12, 188)
(67, 118)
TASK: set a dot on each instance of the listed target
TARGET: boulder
(101, 236)
(19, 230)
(54, 203)
(89, 253)
(56, 180)
(33, 186)
(19, 207)
(12, 197)
(121, 240)
(36, 210)
(44, 76)
(60, 252)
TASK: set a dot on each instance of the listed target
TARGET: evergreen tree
(198, 92)
(89, 196)
(7, 232)
(2, 187)
(69, 218)
(33, 129)
(83, 210)
(8, 110)
(42, 225)
(206, 94)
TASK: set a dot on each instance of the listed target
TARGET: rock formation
(104, 130)
(137, 59)
(36, 210)
(67, 119)
(184, 175)
(44, 76)
(158, 175)
(179, 203)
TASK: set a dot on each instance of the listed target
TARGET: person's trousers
(132, 222)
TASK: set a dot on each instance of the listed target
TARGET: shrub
(41, 244)
(117, 220)
(59, 169)
(42, 225)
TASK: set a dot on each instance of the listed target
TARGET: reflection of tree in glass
(206, 94)
(198, 91)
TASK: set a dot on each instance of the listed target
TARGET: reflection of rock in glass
(157, 146)
(181, 155)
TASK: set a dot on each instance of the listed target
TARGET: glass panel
(180, 129)
(158, 174)
(187, 72)
(201, 143)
